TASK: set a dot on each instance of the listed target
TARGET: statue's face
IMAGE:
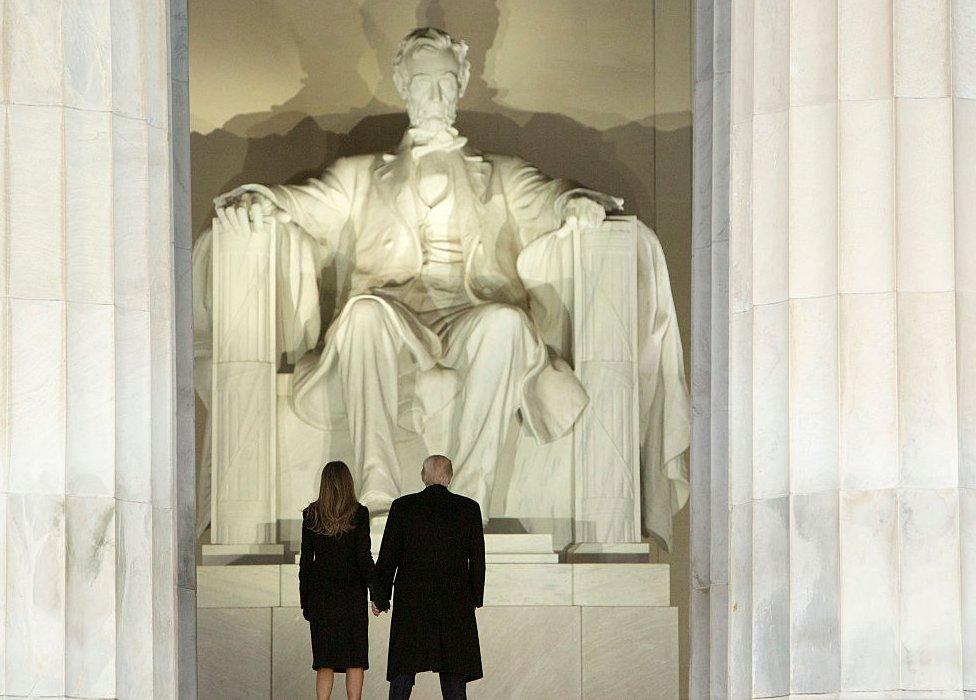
(432, 88)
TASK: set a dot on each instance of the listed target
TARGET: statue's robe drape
(355, 220)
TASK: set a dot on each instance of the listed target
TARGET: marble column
(840, 524)
(90, 402)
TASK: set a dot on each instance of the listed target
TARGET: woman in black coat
(334, 572)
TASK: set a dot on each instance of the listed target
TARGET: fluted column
(850, 507)
(88, 406)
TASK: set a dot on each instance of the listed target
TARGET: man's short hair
(432, 38)
(438, 469)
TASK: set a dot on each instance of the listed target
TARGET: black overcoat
(433, 558)
(334, 573)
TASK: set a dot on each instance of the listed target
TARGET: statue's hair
(438, 470)
(430, 37)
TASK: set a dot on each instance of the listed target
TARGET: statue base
(222, 554)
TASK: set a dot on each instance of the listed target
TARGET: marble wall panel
(234, 647)
(813, 52)
(128, 64)
(239, 586)
(90, 408)
(927, 432)
(34, 626)
(813, 199)
(771, 642)
(921, 48)
(770, 401)
(88, 246)
(864, 46)
(770, 208)
(629, 653)
(133, 419)
(291, 660)
(33, 54)
(529, 584)
(89, 661)
(814, 604)
(621, 584)
(869, 599)
(134, 600)
(771, 46)
(929, 582)
(740, 269)
(813, 395)
(87, 55)
(34, 211)
(868, 392)
(866, 234)
(36, 395)
(924, 195)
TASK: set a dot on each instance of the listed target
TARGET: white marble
(869, 612)
(35, 418)
(128, 81)
(90, 597)
(528, 584)
(630, 653)
(130, 158)
(770, 221)
(89, 273)
(866, 239)
(234, 648)
(253, 586)
(90, 400)
(34, 626)
(813, 429)
(967, 560)
(921, 48)
(864, 45)
(134, 600)
(770, 401)
(35, 63)
(929, 578)
(927, 403)
(771, 44)
(164, 603)
(813, 196)
(133, 420)
(34, 206)
(924, 194)
(813, 54)
(621, 584)
(771, 597)
(87, 56)
(868, 455)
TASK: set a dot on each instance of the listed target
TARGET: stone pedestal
(546, 631)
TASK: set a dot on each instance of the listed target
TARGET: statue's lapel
(391, 179)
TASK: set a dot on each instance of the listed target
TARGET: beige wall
(594, 90)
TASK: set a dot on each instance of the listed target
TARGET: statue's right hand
(244, 210)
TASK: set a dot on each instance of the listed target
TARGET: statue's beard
(431, 116)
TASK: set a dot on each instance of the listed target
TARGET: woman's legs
(323, 683)
(354, 683)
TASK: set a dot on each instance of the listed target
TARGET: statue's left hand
(584, 213)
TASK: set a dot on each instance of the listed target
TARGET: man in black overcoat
(433, 559)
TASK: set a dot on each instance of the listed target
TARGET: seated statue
(429, 242)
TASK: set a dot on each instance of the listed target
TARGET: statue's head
(430, 71)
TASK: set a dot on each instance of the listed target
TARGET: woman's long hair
(333, 512)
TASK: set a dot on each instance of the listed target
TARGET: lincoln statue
(428, 241)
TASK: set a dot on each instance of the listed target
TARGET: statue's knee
(367, 313)
(504, 320)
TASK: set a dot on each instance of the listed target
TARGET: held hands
(375, 608)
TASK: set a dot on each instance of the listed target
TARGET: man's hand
(243, 210)
(376, 610)
(584, 213)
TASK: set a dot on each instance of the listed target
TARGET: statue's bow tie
(424, 142)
